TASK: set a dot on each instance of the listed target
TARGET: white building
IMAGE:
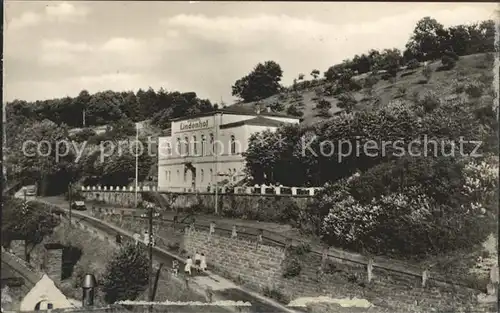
(202, 150)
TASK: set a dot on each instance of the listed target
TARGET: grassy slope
(470, 67)
(463, 265)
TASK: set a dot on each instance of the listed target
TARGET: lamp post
(136, 160)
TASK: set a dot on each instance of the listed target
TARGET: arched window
(212, 143)
(178, 148)
(202, 145)
(234, 174)
(195, 146)
(169, 149)
(185, 175)
(233, 145)
(186, 145)
(211, 175)
(202, 175)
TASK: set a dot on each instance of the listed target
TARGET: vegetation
(26, 221)
(126, 275)
(261, 83)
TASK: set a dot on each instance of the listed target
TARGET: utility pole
(69, 199)
(83, 113)
(136, 160)
(151, 285)
(214, 149)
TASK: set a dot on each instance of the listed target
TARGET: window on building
(166, 175)
(233, 145)
(169, 149)
(178, 175)
(195, 146)
(212, 143)
(185, 175)
(169, 176)
(202, 145)
(178, 148)
(202, 175)
(234, 174)
(186, 145)
(211, 175)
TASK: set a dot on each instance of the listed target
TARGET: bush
(346, 101)
(474, 89)
(413, 64)
(427, 72)
(294, 111)
(430, 101)
(126, 275)
(323, 104)
(291, 267)
(448, 62)
(401, 92)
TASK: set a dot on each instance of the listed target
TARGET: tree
(126, 275)
(262, 82)
(52, 169)
(427, 38)
(315, 74)
(30, 222)
(390, 61)
(346, 101)
(301, 76)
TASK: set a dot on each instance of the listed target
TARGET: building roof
(237, 109)
(257, 121)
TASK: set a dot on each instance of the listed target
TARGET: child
(203, 262)
(187, 268)
(197, 261)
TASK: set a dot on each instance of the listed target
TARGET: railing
(278, 240)
(256, 190)
(24, 269)
(271, 238)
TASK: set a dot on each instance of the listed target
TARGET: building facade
(207, 149)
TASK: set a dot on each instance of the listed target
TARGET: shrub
(413, 64)
(323, 104)
(448, 62)
(430, 101)
(291, 267)
(126, 275)
(294, 111)
(275, 294)
(427, 72)
(474, 89)
(346, 101)
(401, 92)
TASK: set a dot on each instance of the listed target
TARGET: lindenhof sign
(193, 125)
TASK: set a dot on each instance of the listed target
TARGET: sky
(55, 49)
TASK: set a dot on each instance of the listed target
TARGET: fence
(255, 190)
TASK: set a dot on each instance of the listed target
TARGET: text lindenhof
(199, 124)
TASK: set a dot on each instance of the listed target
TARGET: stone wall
(261, 267)
(226, 202)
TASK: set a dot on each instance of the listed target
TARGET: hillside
(407, 85)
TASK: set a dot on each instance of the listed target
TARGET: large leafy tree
(51, 168)
(26, 221)
(427, 39)
(262, 82)
(126, 274)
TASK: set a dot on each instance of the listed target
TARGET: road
(222, 288)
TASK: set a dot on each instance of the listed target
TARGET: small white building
(206, 149)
